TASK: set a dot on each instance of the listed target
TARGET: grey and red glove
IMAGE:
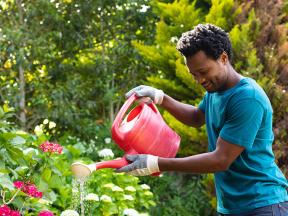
(147, 94)
(142, 165)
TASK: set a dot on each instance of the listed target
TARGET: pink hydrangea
(6, 211)
(14, 213)
(18, 184)
(32, 190)
(51, 147)
(28, 188)
(45, 213)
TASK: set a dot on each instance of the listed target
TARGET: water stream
(78, 194)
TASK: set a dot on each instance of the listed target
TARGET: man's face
(210, 73)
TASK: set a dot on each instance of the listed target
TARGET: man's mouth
(207, 85)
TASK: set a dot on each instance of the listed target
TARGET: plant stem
(13, 197)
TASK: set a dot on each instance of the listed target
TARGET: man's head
(207, 51)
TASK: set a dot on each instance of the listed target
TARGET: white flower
(174, 39)
(106, 198)
(128, 197)
(38, 130)
(145, 187)
(117, 188)
(45, 202)
(130, 188)
(148, 193)
(109, 185)
(46, 121)
(107, 140)
(130, 212)
(52, 125)
(69, 213)
(144, 8)
(92, 197)
(104, 153)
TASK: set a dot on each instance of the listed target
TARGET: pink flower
(15, 213)
(18, 184)
(51, 147)
(38, 194)
(45, 213)
(32, 190)
(5, 210)
(28, 188)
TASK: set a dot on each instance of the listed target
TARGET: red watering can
(143, 131)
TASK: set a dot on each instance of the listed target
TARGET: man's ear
(224, 58)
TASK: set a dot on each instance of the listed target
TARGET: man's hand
(147, 94)
(142, 165)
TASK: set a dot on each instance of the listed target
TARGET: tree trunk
(22, 98)
(111, 103)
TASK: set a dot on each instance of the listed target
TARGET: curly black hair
(211, 39)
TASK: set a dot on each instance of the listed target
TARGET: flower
(52, 124)
(51, 147)
(107, 140)
(46, 121)
(130, 212)
(117, 188)
(106, 198)
(18, 184)
(28, 188)
(148, 193)
(46, 213)
(69, 213)
(128, 197)
(38, 130)
(6, 211)
(14, 213)
(92, 197)
(145, 187)
(105, 153)
(130, 188)
(44, 201)
(109, 185)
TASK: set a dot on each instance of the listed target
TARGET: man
(238, 117)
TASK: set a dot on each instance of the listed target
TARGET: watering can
(142, 131)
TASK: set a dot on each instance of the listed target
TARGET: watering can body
(142, 131)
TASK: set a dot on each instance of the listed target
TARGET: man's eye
(203, 72)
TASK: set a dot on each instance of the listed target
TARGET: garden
(65, 67)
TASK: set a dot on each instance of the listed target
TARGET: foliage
(178, 194)
(25, 158)
(116, 192)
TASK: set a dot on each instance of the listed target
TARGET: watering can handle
(120, 115)
(117, 163)
(154, 108)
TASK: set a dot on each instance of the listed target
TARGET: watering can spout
(81, 170)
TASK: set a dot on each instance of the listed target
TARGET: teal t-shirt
(242, 115)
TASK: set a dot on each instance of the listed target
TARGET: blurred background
(65, 66)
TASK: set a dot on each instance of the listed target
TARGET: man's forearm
(185, 113)
(201, 163)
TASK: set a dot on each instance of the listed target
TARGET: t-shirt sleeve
(242, 123)
(202, 104)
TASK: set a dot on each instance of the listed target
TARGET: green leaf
(18, 140)
(22, 170)
(6, 182)
(46, 175)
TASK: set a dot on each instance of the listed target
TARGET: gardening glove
(142, 165)
(147, 94)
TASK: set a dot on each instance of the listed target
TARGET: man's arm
(216, 161)
(187, 114)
